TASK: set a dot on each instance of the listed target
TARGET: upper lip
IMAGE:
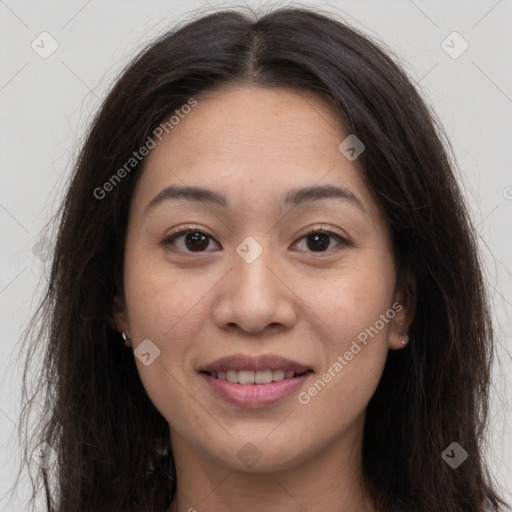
(240, 362)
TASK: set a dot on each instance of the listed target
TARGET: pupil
(319, 237)
(197, 241)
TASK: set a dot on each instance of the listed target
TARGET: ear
(404, 307)
(119, 319)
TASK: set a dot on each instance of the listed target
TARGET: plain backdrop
(47, 103)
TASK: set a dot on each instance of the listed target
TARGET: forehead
(239, 122)
(254, 144)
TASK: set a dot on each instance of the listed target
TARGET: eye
(194, 240)
(319, 240)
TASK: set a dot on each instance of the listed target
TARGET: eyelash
(171, 237)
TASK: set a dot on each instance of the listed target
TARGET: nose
(255, 297)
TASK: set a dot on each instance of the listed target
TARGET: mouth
(246, 377)
(252, 382)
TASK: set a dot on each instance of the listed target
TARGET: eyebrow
(292, 198)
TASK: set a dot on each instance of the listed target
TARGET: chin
(257, 454)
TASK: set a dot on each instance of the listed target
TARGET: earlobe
(405, 310)
(127, 339)
(398, 332)
(398, 335)
(119, 320)
(401, 323)
(404, 338)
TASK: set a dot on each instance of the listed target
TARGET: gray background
(46, 105)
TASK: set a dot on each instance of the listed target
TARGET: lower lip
(254, 395)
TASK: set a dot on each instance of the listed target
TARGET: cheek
(164, 303)
(356, 298)
(166, 309)
(358, 316)
(355, 344)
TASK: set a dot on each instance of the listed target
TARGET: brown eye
(319, 240)
(194, 240)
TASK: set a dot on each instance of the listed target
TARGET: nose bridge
(252, 272)
(253, 296)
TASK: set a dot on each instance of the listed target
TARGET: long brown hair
(432, 393)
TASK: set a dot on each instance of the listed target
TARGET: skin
(254, 144)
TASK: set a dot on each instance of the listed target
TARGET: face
(289, 294)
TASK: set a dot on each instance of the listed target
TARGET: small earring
(405, 337)
(126, 338)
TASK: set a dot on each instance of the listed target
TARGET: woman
(265, 292)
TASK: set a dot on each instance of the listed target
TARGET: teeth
(251, 377)
(246, 377)
(232, 376)
(263, 377)
(278, 375)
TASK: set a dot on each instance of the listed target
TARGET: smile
(245, 377)
(254, 395)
